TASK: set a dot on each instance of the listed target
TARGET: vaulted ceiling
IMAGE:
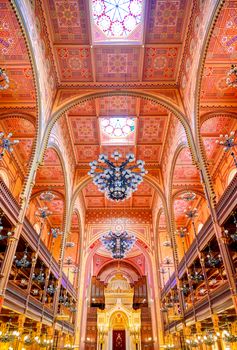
(154, 56)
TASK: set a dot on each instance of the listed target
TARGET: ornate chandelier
(118, 243)
(6, 144)
(228, 142)
(118, 181)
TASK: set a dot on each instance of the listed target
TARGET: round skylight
(118, 127)
(117, 18)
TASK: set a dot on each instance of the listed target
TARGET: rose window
(118, 127)
(117, 18)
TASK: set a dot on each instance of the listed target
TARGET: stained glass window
(117, 18)
(118, 127)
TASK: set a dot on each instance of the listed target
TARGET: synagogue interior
(118, 174)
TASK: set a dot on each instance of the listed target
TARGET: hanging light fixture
(9, 233)
(4, 80)
(196, 277)
(191, 213)
(228, 142)
(55, 232)
(231, 79)
(40, 278)
(118, 181)
(168, 260)
(51, 289)
(6, 144)
(118, 243)
(10, 333)
(43, 213)
(23, 262)
(211, 260)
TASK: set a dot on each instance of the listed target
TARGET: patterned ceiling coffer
(117, 63)
(12, 45)
(149, 107)
(223, 44)
(221, 53)
(84, 130)
(167, 21)
(68, 21)
(210, 131)
(51, 172)
(185, 171)
(149, 153)
(21, 89)
(85, 153)
(84, 108)
(151, 129)
(214, 85)
(74, 63)
(161, 63)
(117, 106)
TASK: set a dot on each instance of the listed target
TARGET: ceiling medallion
(47, 196)
(118, 181)
(118, 243)
(4, 80)
(231, 79)
(188, 196)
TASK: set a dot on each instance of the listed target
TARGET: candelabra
(4, 80)
(29, 339)
(168, 260)
(6, 144)
(182, 232)
(228, 142)
(211, 260)
(185, 289)
(9, 233)
(40, 278)
(51, 289)
(191, 213)
(43, 213)
(118, 181)
(55, 232)
(209, 339)
(196, 277)
(231, 79)
(8, 335)
(193, 343)
(23, 263)
(228, 337)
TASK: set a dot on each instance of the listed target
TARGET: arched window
(200, 226)
(231, 176)
(4, 177)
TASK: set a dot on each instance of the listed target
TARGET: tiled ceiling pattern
(150, 131)
(50, 177)
(71, 37)
(24, 131)
(142, 198)
(185, 172)
(221, 53)
(211, 129)
(13, 53)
